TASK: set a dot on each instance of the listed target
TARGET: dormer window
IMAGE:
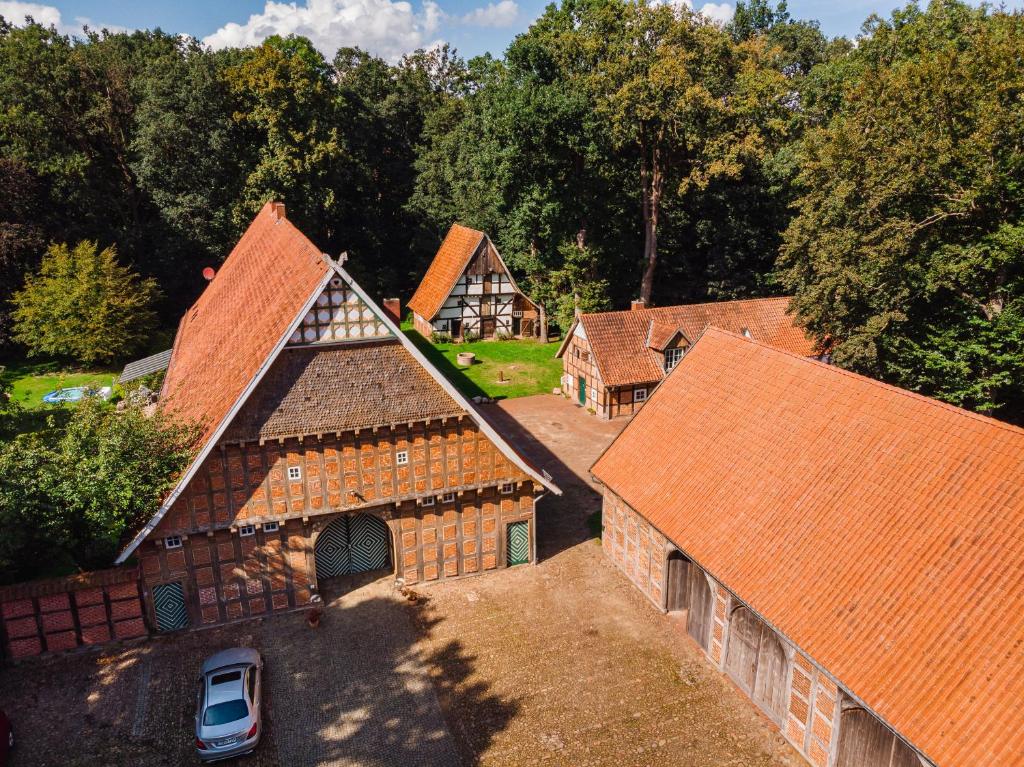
(672, 357)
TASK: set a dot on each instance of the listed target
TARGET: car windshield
(228, 711)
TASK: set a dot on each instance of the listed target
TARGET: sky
(387, 28)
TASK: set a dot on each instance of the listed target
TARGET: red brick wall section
(347, 472)
(635, 547)
(421, 326)
(65, 613)
(226, 576)
(463, 537)
(639, 551)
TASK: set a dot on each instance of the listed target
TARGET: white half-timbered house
(468, 291)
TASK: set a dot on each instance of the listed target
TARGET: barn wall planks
(801, 698)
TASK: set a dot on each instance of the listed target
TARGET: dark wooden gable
(485, 260)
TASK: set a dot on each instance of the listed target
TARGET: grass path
(527, 367)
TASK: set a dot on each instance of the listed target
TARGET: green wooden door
(518, 543)
(169, 606)
(583, 390)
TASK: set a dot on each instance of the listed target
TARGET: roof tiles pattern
(618, 340)
(881, 531)
(448, 265)
(227, 335)
(313, 390)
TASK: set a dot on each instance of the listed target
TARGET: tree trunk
(652, 179)
(543, 324)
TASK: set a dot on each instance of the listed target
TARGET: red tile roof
(227, 336)
(619, 340)
(448, 265)
(880, 531)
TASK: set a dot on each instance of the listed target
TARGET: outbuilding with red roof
(851, 554)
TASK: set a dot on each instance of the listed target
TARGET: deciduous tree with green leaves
(83, 305)
(907, 253)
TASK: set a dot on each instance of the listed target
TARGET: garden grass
(31, 380)
(528, 367)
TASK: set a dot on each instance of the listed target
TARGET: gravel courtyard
(562, 663)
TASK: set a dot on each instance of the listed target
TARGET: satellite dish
(209, 273)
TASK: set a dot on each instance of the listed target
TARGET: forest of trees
(616, 150)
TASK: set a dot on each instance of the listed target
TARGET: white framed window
(506, 488)
(476, 279)
(402, 457)
(294, 472)
(246, 530)
(448, 498)
(172, 542)
(672, 357)
(639, 395)
(271, 527)
(428, 501)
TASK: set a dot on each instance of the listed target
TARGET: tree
(690, 103)
(83, 305)
(70, 494)
(907, 252)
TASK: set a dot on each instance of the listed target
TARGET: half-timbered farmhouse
(329, 445)
(611, 361)
(849, 553)
(469, 291)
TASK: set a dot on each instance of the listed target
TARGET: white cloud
(720, 12)
(500, 14)
(387, 28)
(49, 16)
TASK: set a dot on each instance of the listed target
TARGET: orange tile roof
(881, 531)
(229, 333)
(618, 340)
(448, 265)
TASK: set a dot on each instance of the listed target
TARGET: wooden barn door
(756, 660)
(676, 588)
(866, 742)
(698, 620)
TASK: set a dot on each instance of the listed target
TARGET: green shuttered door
(169, 605)
(352, 544)
(518, 543)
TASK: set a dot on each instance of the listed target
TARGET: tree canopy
(84, 306)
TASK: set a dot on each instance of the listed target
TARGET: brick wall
(241, 484)
(64, 613)
(465, 537)
(641, 552)
(421, 326)
(226, 576)
(638, 549)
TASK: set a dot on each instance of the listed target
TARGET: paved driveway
(562, 663)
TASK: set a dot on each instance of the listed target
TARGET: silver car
(228, 721)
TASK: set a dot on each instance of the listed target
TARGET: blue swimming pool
(73, 394)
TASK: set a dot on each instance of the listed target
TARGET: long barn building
(849, 553)
(328, 445)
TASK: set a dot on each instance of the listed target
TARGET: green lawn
(31, 380)
(527, 367)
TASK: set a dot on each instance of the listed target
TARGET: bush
(74, 491)
(83, 305)
(504, 335)
(469, 336)
(440, 337)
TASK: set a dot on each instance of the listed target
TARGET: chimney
(278, 209)
(637, 303)
(393, 308)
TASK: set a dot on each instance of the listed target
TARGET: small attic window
(172, 542)
(639, 395)
(271, 527)
(336, 282)
(507, 488)
(294, 473)
(448, 498)
(402, 457)
(246, 530)
(428, 501)
(746, 333)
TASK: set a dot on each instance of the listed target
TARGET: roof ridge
(874, 381)
(647, 309)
